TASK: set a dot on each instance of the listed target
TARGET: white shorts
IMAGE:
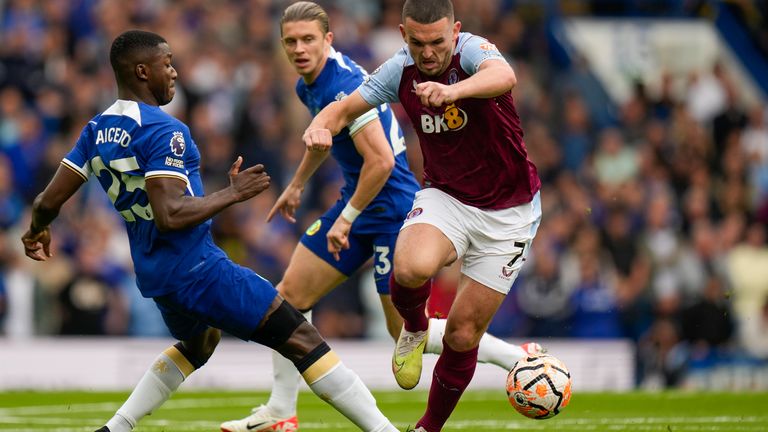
(493, 243)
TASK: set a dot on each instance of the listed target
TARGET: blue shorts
(362, 246)
(227, 296)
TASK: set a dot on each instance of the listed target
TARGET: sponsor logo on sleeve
(175, 163)
(414, 213)
(487, 46)
(178, 146)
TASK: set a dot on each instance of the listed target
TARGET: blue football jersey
(339, 78)
(123, 146)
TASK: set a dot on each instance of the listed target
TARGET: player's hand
(435, 94)
(318, 140)
(249, 182)
(287, 204)
(37, 245)
(338, 236)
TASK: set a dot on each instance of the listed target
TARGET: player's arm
(45, 208)
(494, 77)
(175, 210)
(332, 119)
(378, 162)
(290, 199)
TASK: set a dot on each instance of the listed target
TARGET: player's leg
(492, 349)
(431, 238)
(467, 321)
(286, 331)
(312, 272)
(392, 317)
(307, 279)
(500, 241)
(168, 370)
(420, 253)
(383, 255)
(250, 302)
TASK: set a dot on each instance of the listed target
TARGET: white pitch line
(113, 406)
(17, 415)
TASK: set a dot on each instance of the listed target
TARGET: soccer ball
(539, 386)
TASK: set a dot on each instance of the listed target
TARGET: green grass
(478, 411)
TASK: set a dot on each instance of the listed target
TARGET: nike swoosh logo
(398, 365)
(254, 426)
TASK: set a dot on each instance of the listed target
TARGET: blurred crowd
(655, 208)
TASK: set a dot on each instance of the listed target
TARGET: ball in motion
(539, 386)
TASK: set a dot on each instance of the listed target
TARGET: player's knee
(287, 331)
(200, 348)
(411, 274)
(212, 339)
(462, 337)
(298, 301)
(291, 291)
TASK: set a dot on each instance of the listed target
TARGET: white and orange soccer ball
(539, 386)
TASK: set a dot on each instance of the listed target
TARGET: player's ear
(142, 72)
(456, 29)
(329, 38)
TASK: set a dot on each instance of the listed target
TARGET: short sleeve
(77, 159)
(383, 84)
(166, 155)
(475, 50)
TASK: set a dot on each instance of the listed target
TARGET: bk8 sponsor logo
(452, 119)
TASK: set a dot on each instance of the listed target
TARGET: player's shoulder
(154, 115)
(402, 57)
(339, 67)
(469, 40)
(395, 65)
(139, 113)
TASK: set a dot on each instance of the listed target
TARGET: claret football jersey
(473, 149)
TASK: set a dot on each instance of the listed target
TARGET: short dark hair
(427, 11)
(305, 11)
(125, 46)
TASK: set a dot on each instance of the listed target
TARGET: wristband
(350, 213)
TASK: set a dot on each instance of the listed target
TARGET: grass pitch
(484, 411)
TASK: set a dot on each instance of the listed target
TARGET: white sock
(492, 349)
(285, 384)
(344, 390)
(154, 388)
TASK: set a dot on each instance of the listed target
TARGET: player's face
(162, 75)
(307, 47)
(431, 45)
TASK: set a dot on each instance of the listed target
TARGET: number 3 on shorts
(383, 265)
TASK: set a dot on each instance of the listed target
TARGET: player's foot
(406, 360)
(418, 429)
(103, 429)
(261, 420)
(532, 348)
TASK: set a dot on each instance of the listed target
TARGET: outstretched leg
(492, 350)
(165, 375)
(470, 315)
(307, 279)
(286, 331)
